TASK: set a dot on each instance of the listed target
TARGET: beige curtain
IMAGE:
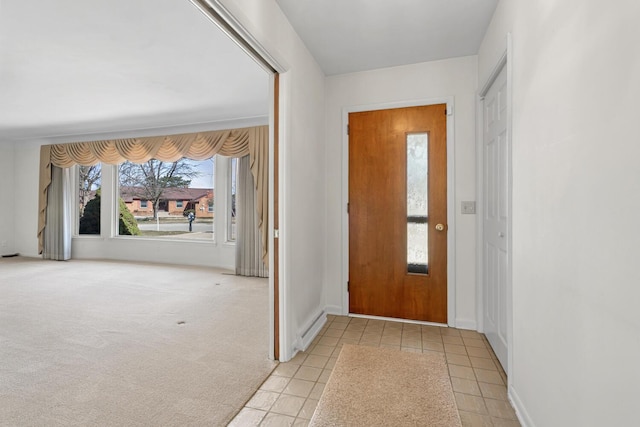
(43, 190)
(57, 233)
(253, 141)
(249, 261)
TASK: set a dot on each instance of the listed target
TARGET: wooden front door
(398, 213)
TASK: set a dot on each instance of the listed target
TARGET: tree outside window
(88, 189)
(161, 195)
(148, 181)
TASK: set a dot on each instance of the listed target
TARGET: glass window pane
(417, 202)
(417, 174)
(231, 225)
(169, 200)
(417, 250)
(89, 199)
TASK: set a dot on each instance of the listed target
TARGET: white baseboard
(521, 412)
(311, 330)
(333, 309)
(466, 324)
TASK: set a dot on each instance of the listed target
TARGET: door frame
(279, 89)
(451, 211)
(504, 62)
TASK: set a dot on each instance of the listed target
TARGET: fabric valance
(195, 146)
(253, 141)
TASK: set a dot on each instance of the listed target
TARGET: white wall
(576, 198)
(7, 195)
(302, 170)
(27, 163)
(439, 79)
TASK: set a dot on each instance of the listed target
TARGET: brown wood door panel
(379, 282)
(276, 216)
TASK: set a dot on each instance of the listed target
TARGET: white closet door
(496, 217)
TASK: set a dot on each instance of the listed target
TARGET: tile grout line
(405, 337)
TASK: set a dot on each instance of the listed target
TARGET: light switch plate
(468, 208)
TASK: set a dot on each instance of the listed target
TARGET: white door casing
(496, 217)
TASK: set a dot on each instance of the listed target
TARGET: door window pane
(417, 202)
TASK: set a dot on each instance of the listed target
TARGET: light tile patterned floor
(289, 396)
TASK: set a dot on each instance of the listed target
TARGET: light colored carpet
(91, 343)
(386, 387)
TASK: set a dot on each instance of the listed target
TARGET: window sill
(165, 239)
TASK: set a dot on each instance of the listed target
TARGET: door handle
(440, 227)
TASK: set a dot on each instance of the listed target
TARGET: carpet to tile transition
(386, 387)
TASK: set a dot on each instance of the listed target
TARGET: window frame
(220, 208)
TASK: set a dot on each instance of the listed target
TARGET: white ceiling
(71, 67)
(356, 35)
(78, 67)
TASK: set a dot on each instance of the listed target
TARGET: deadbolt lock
(440, 227)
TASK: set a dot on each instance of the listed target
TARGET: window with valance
(252, 141)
